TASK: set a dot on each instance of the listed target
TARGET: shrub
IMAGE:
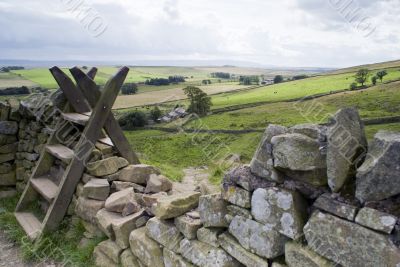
(278, 79)
(155, 113)
(131, 120)
(353, 86)
(129, 89)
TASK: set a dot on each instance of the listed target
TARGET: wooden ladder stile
(74, 155)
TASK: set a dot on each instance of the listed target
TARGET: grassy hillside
(375, 66)
(379, 101)
(10, 79)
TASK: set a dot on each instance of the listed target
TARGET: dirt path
(195, 179)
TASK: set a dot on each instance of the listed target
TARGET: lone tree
(373, 80)
(155, 113)
(362, 76)
(278, 79)
(381, 74)
(129, 89)
(200, 102)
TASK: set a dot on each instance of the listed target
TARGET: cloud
(286, 32)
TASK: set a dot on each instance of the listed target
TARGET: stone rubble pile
(313, 195)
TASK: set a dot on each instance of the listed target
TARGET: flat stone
(119, 186)
(230, 245)
(282, 210)
(8, 179)
(165, 233)
(98, 189)
(8, 127)
(158, 183)
(105, 220)
(343, 210)
(257, 238)
(30, 156)
(243, 177)
(188, 226)
(237, 196)
(138, 174)
(131, 208)
(7, 157)
(7, 139)
(212, 209)
(6, 168)
(106, 166)
(8, 148)
(111, 249)
(88, 208)
(125, 225)
(376, 220)
(146, 249)
(204, 255)
(314, 131)
(300, 157)
(172, 259)
(297, 255)
(347, 145)
(7, 193)
(102, 260)
(150, 200)
(210, 235)
(129, 260)
(378, 177)
(349, 244)
(117, 201)
(262, 163)
(176, 205)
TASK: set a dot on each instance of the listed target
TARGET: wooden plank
(77, 118)
(92, 73)
(29, 223)
(90, 135)
(61, 152)
(92, 94)
(45, 187)
(75, 97)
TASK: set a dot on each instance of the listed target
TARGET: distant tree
(278, 79)
(381, 74)
(155, 113)
(222, 75)
(129, 89)
(353, 86)
(200, 102)
(362, 76)
(300, 77)
(131, 120)
(84, 67)
(374, 79)
(176, 79)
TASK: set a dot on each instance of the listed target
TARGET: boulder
(349, 244)
(314, 131)
(282, 210)
(117, 201)
(204, 255)
(212, 209)
(243, 177)
(138, 174)
(257, 238)
(144, 248)
(119, 186)
(188, 226)
(176, 205)
(262, 163)
(106, 166)
(98, 189)
(230, 245)
(297, 255)
(129, 260)
(235, 210)
(210, 235)
(327, 203)
(105, 220)
(171, 259)
(88, 208)
(376, 220)
(102, 260)
(300, 157)
(111, 249)
(8, 127)
(237, 196)
(379, 176)
(347, 146)
(164, 232)
(158, 183)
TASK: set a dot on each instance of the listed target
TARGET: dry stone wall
(312, 196)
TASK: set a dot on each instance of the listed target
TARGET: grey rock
(98, 189)
(212, 209)
(347, 145)
(175, 205)
(146, 249)
(379, 176)
(314, 131)
(8, 127)
(243, 177)
(158, 183)
(165, 233)
(331, 205)
(188, 226)
(297, 255)
(376, 220)
(237, 196)
(349, 244)
(209, 235)
(129, 260)
(106, 166)
(138, 174)
(172, 259)
(88, 208)
(257, 238)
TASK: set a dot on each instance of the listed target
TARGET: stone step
(61, 152)
(77, 118)
(29, 223)
(45, 187)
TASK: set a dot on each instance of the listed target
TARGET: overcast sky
(325, 33)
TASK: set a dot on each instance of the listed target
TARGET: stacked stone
(8, 146)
